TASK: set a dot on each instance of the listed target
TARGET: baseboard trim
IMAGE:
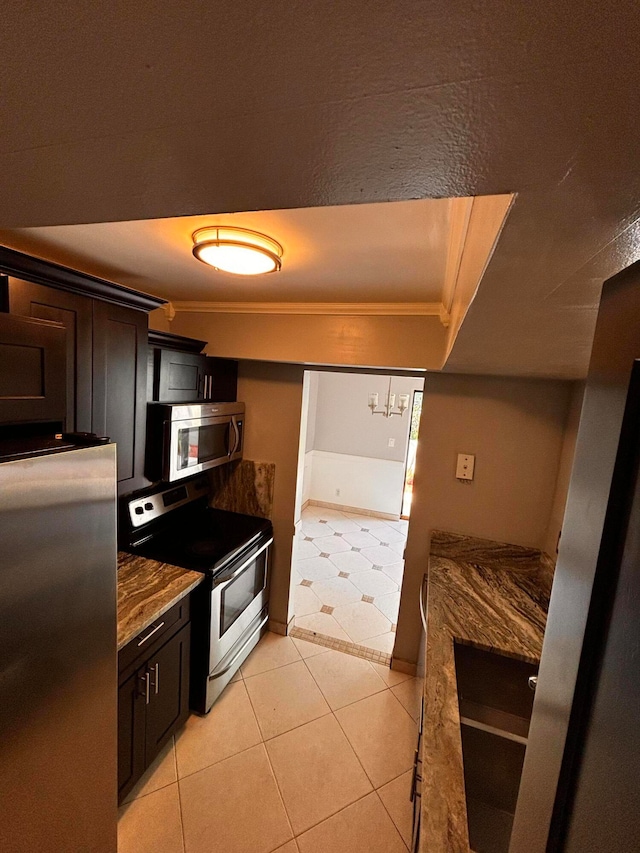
(388, 516)
(404, 666)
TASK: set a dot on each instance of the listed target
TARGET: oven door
(238, 598)
(192, 446)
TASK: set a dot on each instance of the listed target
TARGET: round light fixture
(237, 250)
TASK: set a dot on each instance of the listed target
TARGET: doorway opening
(412, 448)
(354, 469)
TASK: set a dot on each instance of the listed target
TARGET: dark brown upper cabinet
(183, 374)
(32, 370)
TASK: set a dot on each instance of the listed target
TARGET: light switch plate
(464, 468)
(392, 442)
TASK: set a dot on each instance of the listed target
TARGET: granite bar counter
(146, 590)
(485, 594)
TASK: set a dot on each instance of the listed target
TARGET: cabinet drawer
(154, 635)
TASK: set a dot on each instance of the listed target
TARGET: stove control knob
(139, 510)
(148, 505)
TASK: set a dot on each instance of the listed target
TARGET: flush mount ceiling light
(237, 250)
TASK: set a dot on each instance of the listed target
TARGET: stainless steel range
(230, 610)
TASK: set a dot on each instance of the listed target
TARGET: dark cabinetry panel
(186, 376)
(119, 386)
(74, 312)
(153, 694)
(32, 377)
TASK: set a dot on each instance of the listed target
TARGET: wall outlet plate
(465, 465)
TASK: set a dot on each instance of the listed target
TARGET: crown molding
(364, 309)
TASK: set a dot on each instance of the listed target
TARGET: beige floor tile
(317, 771)
(343, 525)
(303, 549)
(272, 651)
(228, 728)
(388, 535)
(161, 773)
(395, 571)
(382, 735)
(361, 620)
(395, 799)
(322, 623)
(390, 676)
(237, 676)
(335, 591)
(151, 823)
(361, 540)
(305, 601)
(383, 642)
(309, 650)
(364, 827)
(234, 806)
(351, 561)
(289, 847)
(314, 529)
(409, 693)
(380, 555)
(344, 678)
(284, 698)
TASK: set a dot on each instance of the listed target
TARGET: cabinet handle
(147, 687)
(150, 634)
(156, 678)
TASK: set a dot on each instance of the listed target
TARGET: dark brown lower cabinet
(153, 695)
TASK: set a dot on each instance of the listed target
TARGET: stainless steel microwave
(185, 439)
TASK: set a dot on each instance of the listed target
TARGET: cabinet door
(168, 705)
(131, 723)
(74, 312)
(222, 380)
(181, 376)
(119, 386)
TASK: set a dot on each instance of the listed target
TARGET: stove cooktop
(204, 540)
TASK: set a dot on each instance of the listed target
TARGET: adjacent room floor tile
(304, 550)
(317, 568)
(305, 600)
(335, 591)
(344, 679)
(364, 827)
(395, 799)
(331, 544)
(317, 771)
(351, 562)
(389, 605)
(361, 540)
(409, 694)
(152, 823)
(395, 571)
(343, 525)
(284, 698)
(398, 547)
(322, 623)
(234, 806)
(272, 651)
(314, 528)
(380, 555)
(382, 734)
(228, 728)
(388, 534)
(361, 620)
(161, 773)
(374, 583)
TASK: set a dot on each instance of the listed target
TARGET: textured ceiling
(136, 111)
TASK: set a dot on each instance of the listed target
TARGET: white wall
(356, 481)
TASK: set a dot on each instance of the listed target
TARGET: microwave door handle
(237, 436)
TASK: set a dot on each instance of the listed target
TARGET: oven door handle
(234, 574)
(226, 669)
(236, 431)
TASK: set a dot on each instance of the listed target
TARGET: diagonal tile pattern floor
(308, 750)
(348, 569)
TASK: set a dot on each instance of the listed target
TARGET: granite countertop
(146, 590)
(494, 597)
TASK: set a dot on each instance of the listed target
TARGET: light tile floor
(348, 571)
(308, 750)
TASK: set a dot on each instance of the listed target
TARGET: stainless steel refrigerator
(58, 720)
